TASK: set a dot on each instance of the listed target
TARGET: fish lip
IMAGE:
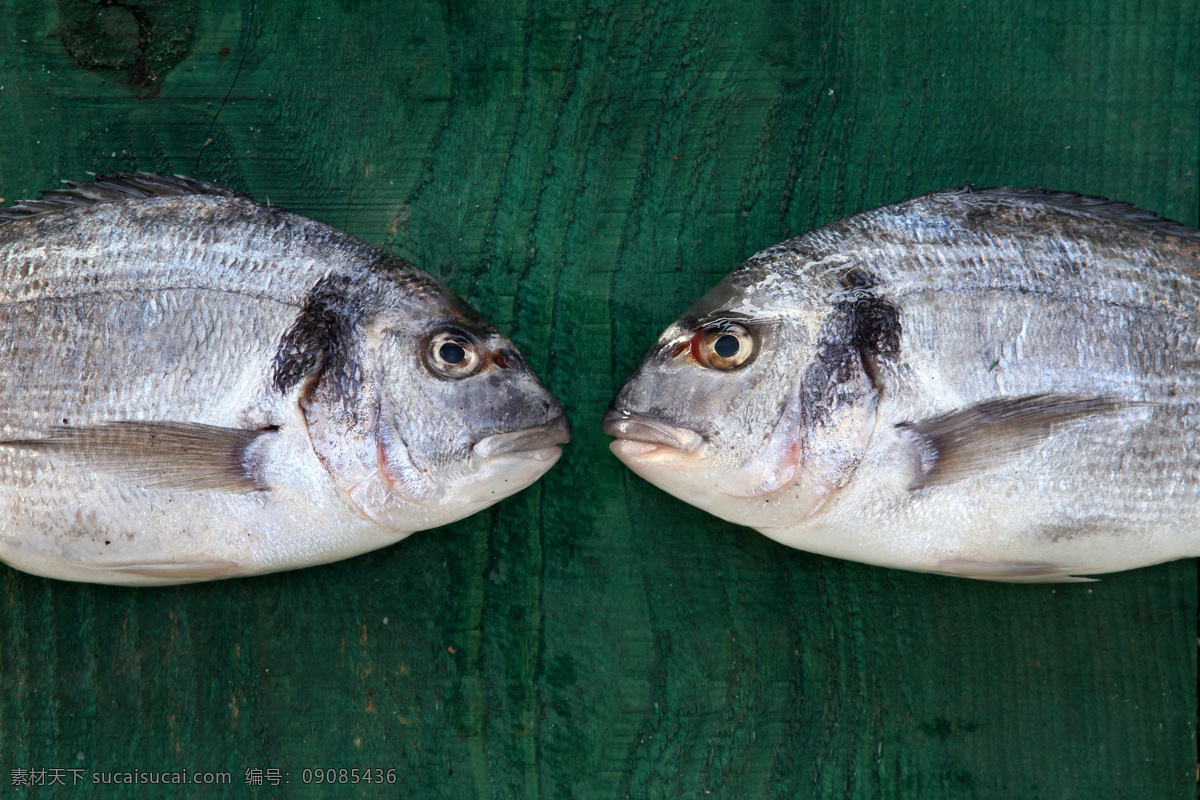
(531, 440)
(626, 425)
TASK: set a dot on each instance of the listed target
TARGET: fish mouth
(540, 442)
(630, 427)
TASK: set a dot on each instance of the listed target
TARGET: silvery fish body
(999, 384)
(197, 386)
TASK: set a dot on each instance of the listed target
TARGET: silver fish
(196, 386)
(997, 384)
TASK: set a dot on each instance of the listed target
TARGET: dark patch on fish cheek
(320, 339)
(825, 380)
(875, 324)
(872, 322)
(863, 331)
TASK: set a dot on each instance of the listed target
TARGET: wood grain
(581, 172)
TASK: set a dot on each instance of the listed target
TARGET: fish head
(444, 417)
(758, 403)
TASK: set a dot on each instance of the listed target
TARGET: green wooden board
(581, 173)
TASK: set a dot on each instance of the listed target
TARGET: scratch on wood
(241, 63)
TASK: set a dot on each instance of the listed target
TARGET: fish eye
(452, 355)
(725, 346)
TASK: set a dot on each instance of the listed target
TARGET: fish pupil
(726, 346)
(452, 353)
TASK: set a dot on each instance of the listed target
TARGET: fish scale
(98, 340)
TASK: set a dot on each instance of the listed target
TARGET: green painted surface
(581, 173)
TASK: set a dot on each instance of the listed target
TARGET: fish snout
(629, 426)
(539, 441)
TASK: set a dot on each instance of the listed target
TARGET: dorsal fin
(112, 188)
(1088, 204)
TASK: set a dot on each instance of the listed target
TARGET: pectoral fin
(1010, 571)
(165, 455)
(953, 446)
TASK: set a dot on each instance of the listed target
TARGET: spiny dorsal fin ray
(116, 187)
(161, 455)
(966, 442)
(1100, 207)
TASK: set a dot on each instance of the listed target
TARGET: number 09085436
(376, 775)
